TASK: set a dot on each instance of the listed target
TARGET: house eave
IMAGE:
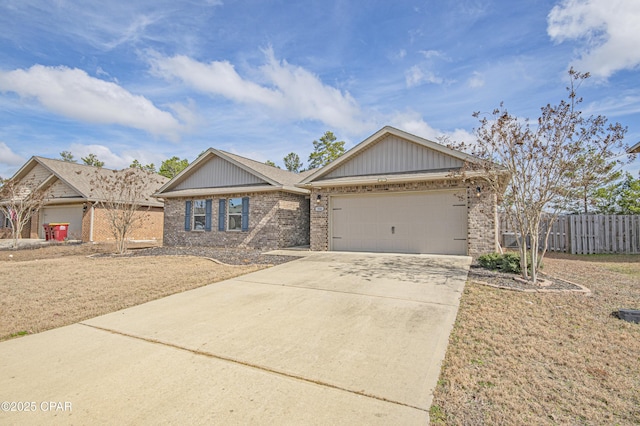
(635, 149)
(203, 192)
(391, 179)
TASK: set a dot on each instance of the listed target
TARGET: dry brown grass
(61, 285)
(532, 358)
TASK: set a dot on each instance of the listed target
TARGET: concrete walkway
(331, 338)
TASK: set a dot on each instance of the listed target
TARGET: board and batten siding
(395, 155)
(37, 175)
(61, 190)
(217, 173)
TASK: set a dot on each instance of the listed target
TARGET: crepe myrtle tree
(541, 159)
(123, 195)
(20, 200)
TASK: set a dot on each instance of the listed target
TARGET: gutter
(201, 192)
(390, 179)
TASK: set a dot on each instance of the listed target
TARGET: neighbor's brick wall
(31, 228)
(151, 227)
(276, 220)
(481, 226)
(86, 225)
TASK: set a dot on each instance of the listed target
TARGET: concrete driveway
(332, 338)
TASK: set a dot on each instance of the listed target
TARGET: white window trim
(229, 214)
(194, 215)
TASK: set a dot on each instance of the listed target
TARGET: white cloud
(608, 30)
(103, 153)
(432, 54)
(415, 76)
(75, 94)
(291, 91)
(8, 157)
(476, 80)
(412, 122)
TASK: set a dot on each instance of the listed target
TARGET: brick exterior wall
(482, 224)
(276, 220)
(151, 227)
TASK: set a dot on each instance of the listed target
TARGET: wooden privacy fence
(584, 234)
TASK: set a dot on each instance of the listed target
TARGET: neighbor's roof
(634, 149)
(274, 178)
(79, 177)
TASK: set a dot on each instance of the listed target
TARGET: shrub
(507, 262)
(490, 260)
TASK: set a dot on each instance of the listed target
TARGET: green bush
(508, 262)
(490, 260)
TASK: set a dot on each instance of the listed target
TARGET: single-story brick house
(393, 192)
(71, 199)
(225, 200)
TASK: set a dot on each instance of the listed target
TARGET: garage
(432, 222)
(64, 214)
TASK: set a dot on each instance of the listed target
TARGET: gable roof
(78, 178)
(393, 155)
(220, 172)
(635, 149)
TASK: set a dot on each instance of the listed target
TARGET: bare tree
(541, 159)
(124, 195)
(20, 200)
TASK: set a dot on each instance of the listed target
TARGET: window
(234, 215)
(199, 215)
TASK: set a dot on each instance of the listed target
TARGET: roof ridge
(70, 163)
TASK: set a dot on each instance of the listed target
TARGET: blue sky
(148, 80)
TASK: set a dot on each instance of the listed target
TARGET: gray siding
(217, 173)
(36, 176)
(394, 155)
(60, 190)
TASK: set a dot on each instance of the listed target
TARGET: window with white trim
(199, 215)
(234, 214)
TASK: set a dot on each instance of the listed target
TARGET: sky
(149, 80)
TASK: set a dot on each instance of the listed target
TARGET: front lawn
(53, 286)
(546, 358)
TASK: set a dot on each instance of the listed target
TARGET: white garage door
(426, 222)
(69, 214)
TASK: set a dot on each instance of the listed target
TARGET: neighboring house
(634, 149)
(71, 199)
(394, 192)
(225, 200)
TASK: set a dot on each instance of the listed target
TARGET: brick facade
(276, 220)
(149, 228)
(482, 224)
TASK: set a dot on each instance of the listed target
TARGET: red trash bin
(59, 231)
(47, 232)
